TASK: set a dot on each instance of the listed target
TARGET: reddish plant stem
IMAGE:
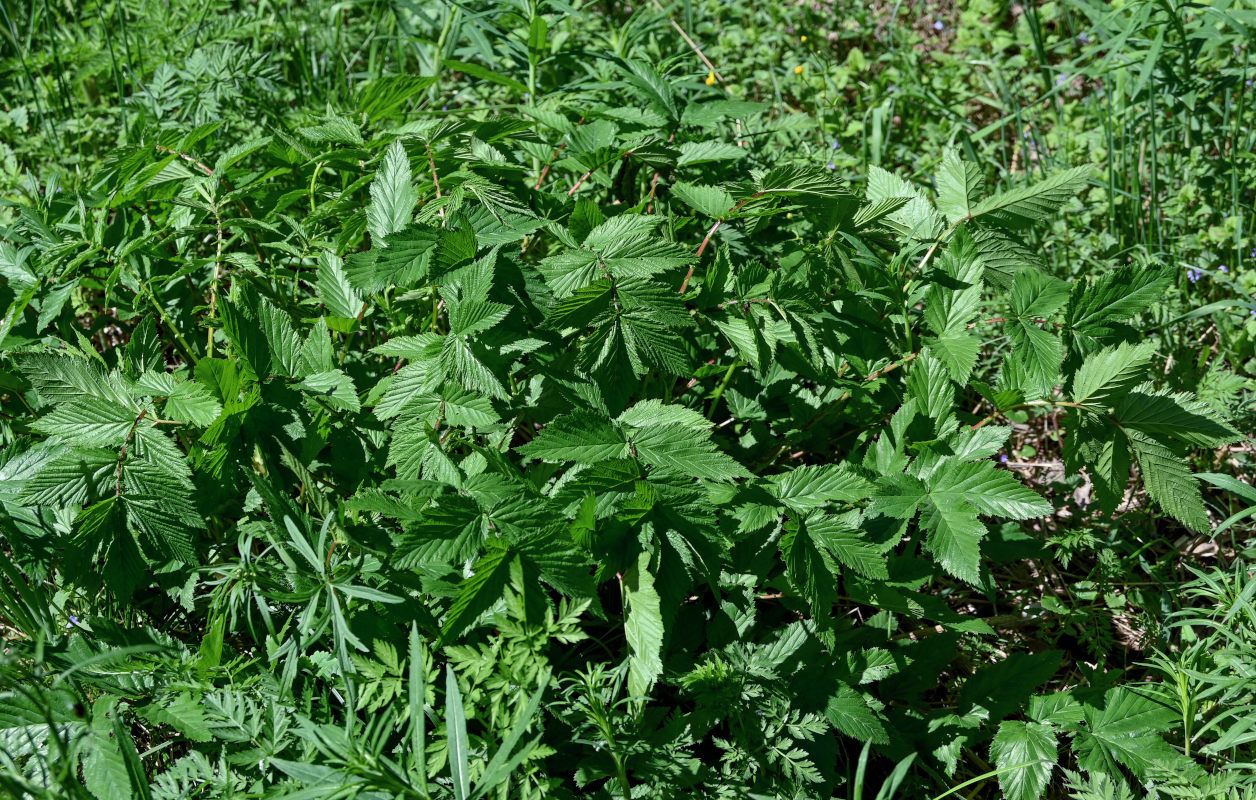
(588, 174)
(684, 285)
(540, 180)
(190, 160)
(580, 182)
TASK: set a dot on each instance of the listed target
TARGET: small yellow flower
(710, 81)
(803, 40)
(798, 69)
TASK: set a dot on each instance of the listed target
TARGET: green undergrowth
(526, 400)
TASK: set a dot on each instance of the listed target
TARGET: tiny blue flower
(444, 108)
(1060, 79)
(1223, 268)
(832, 165)
(836, 144)
(73, 621)
(939, 25)
(1193, 275)
(1083, 39)
(1003, 458)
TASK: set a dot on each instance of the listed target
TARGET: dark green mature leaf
(810, 569)
(1097, 307)
(478, 593)
(848, 711)
(1125, 731)
(1160, 412)
(954, 537)
(1169, 481)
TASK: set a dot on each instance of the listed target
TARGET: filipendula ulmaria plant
(621, 423)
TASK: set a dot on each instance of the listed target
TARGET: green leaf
(381, 96)
(957, 351)
(583, 437)
(170, 522)
(1159, 412)
(1169, 481)
(809, 569)
(1037, 295)
(705, 152)
(144, 351)
(709, 201)
(465, 361)
(809, 487)
(61, 378)
(393, 196)
(184, 713)
(452, 530)
(1230, 484)
(333, 129)
(480, 592)
(656, 413)
(485, 74)
(1107, 376)
(959, 185)
(400, 259)
(1028, 751)
(193, 402)
(643, 628)
(954, 537)
(987, 489)
(334, 388)
(848, 545)
(1098, 305)
(848, 712)
(1000, 689)
(105, 770)
(916, 217)
(1028, 205)
(676, 450)
(456, 731)
(1124, 730)
(89, 421)
(130, 758)
(334, 289)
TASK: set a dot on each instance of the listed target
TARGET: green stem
(719, 390)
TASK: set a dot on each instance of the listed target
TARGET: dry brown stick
(692, 44)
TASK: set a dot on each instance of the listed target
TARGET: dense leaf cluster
(573, 445)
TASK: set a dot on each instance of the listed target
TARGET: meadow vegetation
(529, 399)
